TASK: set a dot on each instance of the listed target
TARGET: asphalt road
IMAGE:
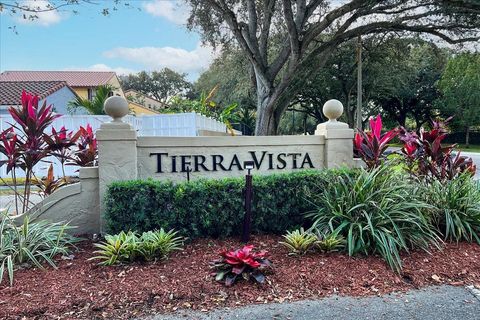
(476, 159)
(434, 303)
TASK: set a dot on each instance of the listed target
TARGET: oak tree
(310, 30)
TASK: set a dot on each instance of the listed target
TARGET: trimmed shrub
(215, 208)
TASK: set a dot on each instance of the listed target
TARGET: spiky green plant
(126, 247)
(118, 248)
(159, 243)
(379, 211)
(330, 242)
(94, 106)
(456, 207)
(32, 243)
(299, 241)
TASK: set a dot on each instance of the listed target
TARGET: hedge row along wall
(215, 208)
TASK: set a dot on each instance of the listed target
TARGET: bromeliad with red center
(241, 262)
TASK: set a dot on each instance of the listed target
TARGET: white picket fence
(166, 125)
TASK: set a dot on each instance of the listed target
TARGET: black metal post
(247, 219)
(188, 174)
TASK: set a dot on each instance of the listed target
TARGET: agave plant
(371, 146)
(241, 263)
(31, 244)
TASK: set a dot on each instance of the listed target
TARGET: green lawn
(472, 148)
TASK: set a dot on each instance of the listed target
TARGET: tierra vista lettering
(217, 162)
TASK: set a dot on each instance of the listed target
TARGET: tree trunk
(402, 118)
(265, 124)
(350, 113)
(467, 137)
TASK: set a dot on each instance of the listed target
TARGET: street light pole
(359, 84)
(247, 218)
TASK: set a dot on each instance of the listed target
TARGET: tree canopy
(460, 88)
(285, 41)
(309, 31)
(410, 70)
(160, 85)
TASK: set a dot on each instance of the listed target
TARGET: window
(92, 92)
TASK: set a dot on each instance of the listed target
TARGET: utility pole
(359, 84)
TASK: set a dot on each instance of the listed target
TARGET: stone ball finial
(333, 109)
(116, 107)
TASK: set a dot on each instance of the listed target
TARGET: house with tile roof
(83, 83)
(56, 93)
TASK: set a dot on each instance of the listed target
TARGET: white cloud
(44, 19)
(153, 58)
(117, 70)
(173, 11)
(103, 67)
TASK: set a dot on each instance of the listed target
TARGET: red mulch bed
(81, 289)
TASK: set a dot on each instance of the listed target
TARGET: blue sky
(129, 40)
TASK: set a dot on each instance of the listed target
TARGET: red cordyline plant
(370, 145)
(428, 159)
(49, 184)
(9, 148)
(25, 144)
(241, 263)
(31, 120)
(60, 143)
(87, 152)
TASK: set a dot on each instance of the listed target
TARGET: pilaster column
(338, 137)
(117, 148)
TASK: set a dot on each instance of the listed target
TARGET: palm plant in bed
(378, 212)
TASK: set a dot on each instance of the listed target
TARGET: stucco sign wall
(216, 157)
(122, 155)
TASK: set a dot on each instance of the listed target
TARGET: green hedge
(214, 208)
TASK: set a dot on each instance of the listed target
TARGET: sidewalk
(434, 303)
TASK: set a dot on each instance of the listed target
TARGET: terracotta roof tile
(11, 91)
(72, 78)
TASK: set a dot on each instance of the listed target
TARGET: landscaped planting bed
(82, 289)
(406, 221)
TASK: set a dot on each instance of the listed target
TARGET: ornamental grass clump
(377, 212)
(456, 207)
(241, 263)
(31, 244)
